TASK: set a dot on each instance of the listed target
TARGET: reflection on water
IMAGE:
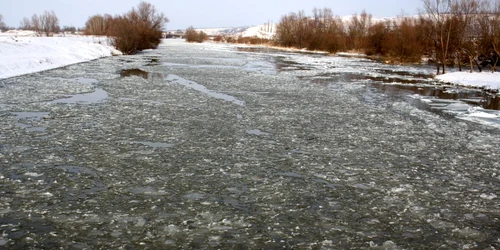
(141, 73)
(283, 64)
(134, 72)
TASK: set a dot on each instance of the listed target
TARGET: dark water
(208, 147)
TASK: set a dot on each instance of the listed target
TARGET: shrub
(322, 31)
(218, 38)
(125, 35)
(139, 29)
(98, 25)
(194, 36)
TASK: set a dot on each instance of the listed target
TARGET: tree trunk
(459, 61)
(471, 64)
(478, 66)
(498, 56)
(472, 61)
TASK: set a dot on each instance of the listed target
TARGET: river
(214, 146)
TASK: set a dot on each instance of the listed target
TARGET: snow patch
(487, 80)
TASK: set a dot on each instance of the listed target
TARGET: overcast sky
(201, 13)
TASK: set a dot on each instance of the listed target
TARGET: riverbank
(23, 53)
(487, 80)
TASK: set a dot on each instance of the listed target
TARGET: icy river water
(203, 146)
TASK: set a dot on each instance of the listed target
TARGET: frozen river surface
(212, 147)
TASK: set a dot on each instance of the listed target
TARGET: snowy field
(23, 53)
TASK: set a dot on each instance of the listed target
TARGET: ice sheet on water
(206, 66)
(31, 115)
(150, 144)
(203, 89)
(257, 132)
(262, 67)
(99, 95)
(462, 110)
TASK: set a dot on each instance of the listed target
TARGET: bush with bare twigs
(194, 36)
(98, 25)
(139, 29)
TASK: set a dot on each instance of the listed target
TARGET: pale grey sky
(199, 13)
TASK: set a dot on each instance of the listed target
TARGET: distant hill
(266, 31)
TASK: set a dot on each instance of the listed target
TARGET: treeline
(138, 29)
(449, 32)
(43, 24)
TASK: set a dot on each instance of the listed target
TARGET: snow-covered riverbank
(23, 54)
(488, 80)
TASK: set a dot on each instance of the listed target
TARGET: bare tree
(322, 31)
(49, 23)
(488, 40)
(438, 14)
(138, 29)
(149, 23)
(358, 29)
(3, 27)
(97, 25)
(25, 24)
(464, 32)
(285, 34)
(35, 24)
(495, 30)
(148, 14)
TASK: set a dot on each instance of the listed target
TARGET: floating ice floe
(462, 110)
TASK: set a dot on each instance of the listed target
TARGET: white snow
(488, 80)
(21, 52)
